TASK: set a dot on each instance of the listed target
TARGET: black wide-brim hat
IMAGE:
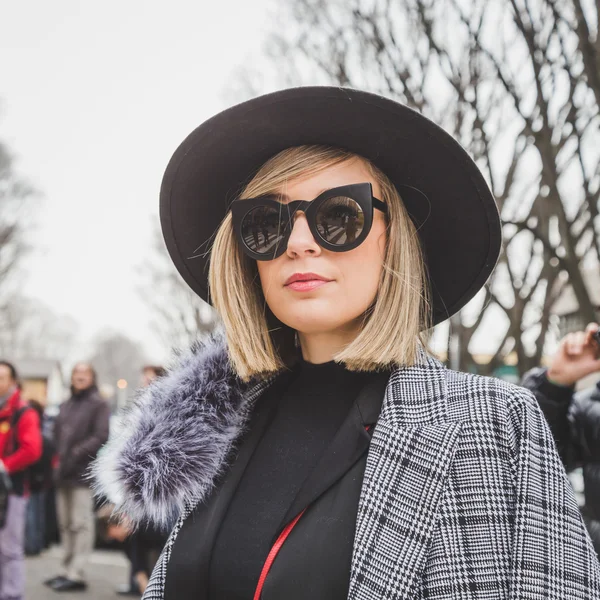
(442, 188)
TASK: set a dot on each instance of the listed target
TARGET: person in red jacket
(20, 447)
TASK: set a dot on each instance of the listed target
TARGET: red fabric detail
(276, 548)
(28, 436)
(273, 554)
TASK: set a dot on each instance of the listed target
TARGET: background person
(143, 547)
(574, 418)
(80, 429)
(20, 447)
(151, 373)
(40, 478)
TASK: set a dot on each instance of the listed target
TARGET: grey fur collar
(174, 439)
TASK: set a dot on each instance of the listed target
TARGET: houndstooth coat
(463, 497)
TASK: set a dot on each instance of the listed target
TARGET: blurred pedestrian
(150, 373)
(40, 484)
(142, 546)
(574, 418)
(51, 518)
(81, 428)
(20, 447)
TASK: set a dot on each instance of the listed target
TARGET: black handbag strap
(14, 421)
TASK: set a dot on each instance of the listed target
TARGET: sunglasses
(339, 219)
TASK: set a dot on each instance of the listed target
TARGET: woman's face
(349, 279)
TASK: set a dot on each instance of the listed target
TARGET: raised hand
(576, 357)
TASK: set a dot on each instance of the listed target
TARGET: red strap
(273, 554)
(276, 548)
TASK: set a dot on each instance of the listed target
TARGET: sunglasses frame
(361, 193)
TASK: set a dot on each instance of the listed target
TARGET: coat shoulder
(480, 400)
(502, 427)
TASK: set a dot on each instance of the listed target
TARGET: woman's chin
(312, 324)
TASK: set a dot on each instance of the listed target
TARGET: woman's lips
(306, 285)
(305, 282)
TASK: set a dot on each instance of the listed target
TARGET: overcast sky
(95, 97)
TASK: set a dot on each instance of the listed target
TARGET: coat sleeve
(584, 415)
(29, 441)
(556, 403)
(552, 555)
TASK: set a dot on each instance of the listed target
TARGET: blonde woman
(318, 451)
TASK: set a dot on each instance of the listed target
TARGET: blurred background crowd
(94, 97)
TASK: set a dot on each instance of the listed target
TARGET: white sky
(95, 97)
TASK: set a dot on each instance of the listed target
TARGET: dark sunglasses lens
(340, 220)
(263, 229)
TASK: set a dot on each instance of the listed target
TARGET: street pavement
(108, 569)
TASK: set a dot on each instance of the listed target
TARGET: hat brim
(442, 188)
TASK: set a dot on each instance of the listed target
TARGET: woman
(318, 451)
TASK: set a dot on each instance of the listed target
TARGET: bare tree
(15, 198)
(30, 329)
(17, 314)
(517, 83)
(179, 316)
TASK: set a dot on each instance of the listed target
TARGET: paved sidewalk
(107, 570)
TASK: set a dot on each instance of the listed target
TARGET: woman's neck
(318, 348)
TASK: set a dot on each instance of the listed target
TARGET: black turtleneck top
(308, 413)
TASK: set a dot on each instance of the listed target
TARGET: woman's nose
(301, 241)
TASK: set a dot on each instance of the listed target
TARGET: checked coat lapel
(407, 467)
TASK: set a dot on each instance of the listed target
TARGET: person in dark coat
(574, 418)
(40, 484)
(316, 449)
(81, 428)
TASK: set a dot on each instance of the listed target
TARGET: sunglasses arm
(379, 205)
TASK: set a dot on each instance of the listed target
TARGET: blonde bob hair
(393, 327)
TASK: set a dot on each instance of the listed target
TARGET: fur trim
(174, 439)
